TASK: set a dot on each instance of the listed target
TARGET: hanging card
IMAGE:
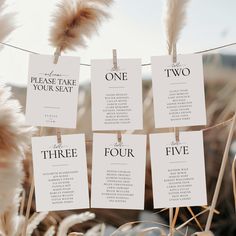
(116, 95)
(118, 171)
(60, 173)
(178, 91)
(52, 91)
(178, 170)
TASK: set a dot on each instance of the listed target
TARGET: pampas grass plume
(6, 22)
(72, 220)
(73, 22)
(175, 17)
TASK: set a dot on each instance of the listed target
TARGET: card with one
(178, 170)
(52, 91)
(60, 173)
(178, 91)
(116, 95)
(118, 171)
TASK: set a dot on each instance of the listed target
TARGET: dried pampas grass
(51, 231)
(72, 220)
(175, 16)
(34, 221)
(74, 23)
(14, 141)
(6, 21)
(96, 230)
(205, 233)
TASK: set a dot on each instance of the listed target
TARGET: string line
(144, 64)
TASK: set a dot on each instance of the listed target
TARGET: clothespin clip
(174, 53)
(57, 54)
(119, 137)
(58, 135)
(176, 130)
(114, 56)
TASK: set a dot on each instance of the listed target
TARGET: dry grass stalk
(72, 220)
(208, 233)
(171, 214)
(75, 234)
(51, 231)
(29, 203)
(97, 230)
(146, 231)
(234, 181)
(221, 174)
(189, 220)
(34, 221)
(195, 218)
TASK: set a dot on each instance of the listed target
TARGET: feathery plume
(34, 221)
(75, 234)
(20, 225)
(175, 16)
(97, 230)
(14, 141)
(74, 23)
(72, 220)
(6, 22)
(12, 221)
(103, 2)
(51, 231)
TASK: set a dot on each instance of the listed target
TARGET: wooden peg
(176, 130)
(58, 136)
(174, 53)
(119, 137)
(114, 58)
(57, 54)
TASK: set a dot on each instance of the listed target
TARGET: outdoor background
(136, 30)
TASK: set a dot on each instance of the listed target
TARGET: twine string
(144, 64)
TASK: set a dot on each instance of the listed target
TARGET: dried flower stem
(29, 203)
(195, 218)
(220, 176)
(234, 181)
(171, 213)
(22, 204)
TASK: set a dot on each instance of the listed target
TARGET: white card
(116, 95)
(178, 170)
(178, 91)
(118, 171)
(52, 91)
(60, 173)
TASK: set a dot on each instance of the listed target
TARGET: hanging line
(144, 64)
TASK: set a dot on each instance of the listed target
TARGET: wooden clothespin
(57, 54)
(58, 135)
(114, 56)
(176, 130)
(119, 137)
(174, 53)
